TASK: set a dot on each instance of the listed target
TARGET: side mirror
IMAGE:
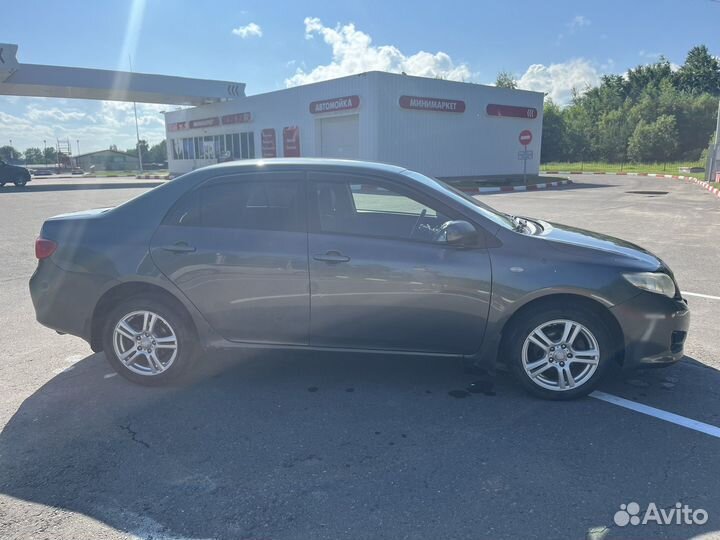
(458, 233)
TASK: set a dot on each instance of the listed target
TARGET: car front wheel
(560, 353)
(148, 342)
(20, 183)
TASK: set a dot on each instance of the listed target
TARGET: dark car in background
(13, 174)
(351, 257)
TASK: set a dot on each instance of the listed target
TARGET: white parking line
(689, 423)
(711, 297)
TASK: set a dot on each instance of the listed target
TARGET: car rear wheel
(560, 353)
(148, 342)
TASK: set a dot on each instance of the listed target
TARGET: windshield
(466, 200)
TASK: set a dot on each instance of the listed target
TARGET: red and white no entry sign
(525, 137)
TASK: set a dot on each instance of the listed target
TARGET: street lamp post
(45, 152)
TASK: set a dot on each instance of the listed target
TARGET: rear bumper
(64, 301)
(655, 329)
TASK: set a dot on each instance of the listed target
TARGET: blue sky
(550, 46)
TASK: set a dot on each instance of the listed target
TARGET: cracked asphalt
(266, 445)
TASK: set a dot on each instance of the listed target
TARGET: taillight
(44, 248)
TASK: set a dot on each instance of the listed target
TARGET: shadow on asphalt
(273, 445)
(583, 185)
(75, 187)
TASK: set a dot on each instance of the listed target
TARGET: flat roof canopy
(18, 79)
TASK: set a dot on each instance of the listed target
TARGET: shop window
(188, 148)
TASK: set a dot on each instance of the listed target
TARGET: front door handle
(178, 247)
(332, 257)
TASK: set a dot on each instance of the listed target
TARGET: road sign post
(525, 138)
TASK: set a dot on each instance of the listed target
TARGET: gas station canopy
(18, 79)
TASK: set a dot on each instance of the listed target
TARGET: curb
(655, 175)
(715, 191)
(153, 177)
(508, 189)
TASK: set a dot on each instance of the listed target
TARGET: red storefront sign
(269, 143)
(511, 111)
(238, 118)
(204, 122)
(335, 104)
(432, 104)
(291, 141)
(177, 126)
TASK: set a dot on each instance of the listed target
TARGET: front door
(237, 248)
(378, 278)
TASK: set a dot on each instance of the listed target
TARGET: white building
(442, 128)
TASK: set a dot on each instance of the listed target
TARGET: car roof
(310, 163)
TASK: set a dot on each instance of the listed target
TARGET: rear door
(237, 248)
(378, 278)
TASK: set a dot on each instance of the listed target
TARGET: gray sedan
(351, 257)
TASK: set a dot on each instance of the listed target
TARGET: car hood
(564, 237)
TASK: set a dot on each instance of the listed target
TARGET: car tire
(138, 341)
(560, 353)
(20, 183)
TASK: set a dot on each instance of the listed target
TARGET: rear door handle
(179, 247)
(332, 257)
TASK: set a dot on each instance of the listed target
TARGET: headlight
(653, 282)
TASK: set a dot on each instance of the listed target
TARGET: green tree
(505, 79)
(553, 133)
(700, 73)
(49, 156)
(143, 144)
(8, 153)
(655, 141)
(650, 75)
(33, 156)
(613, 132)
(578, 127)
(157, 153)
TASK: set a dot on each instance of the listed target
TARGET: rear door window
(273, 202)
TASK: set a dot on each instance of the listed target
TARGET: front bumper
(655, 329)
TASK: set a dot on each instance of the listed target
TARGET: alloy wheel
(145, 343)
(560, 355)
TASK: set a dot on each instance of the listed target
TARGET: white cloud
(37, 114)
(248, 31)
(578, 21)
(559, 80)
(97, 125)
(353, 52)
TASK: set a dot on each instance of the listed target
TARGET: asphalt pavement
(294, 446)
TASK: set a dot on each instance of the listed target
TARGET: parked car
(77, 171)
(351, 256)
(43, 172)
(13, 174)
